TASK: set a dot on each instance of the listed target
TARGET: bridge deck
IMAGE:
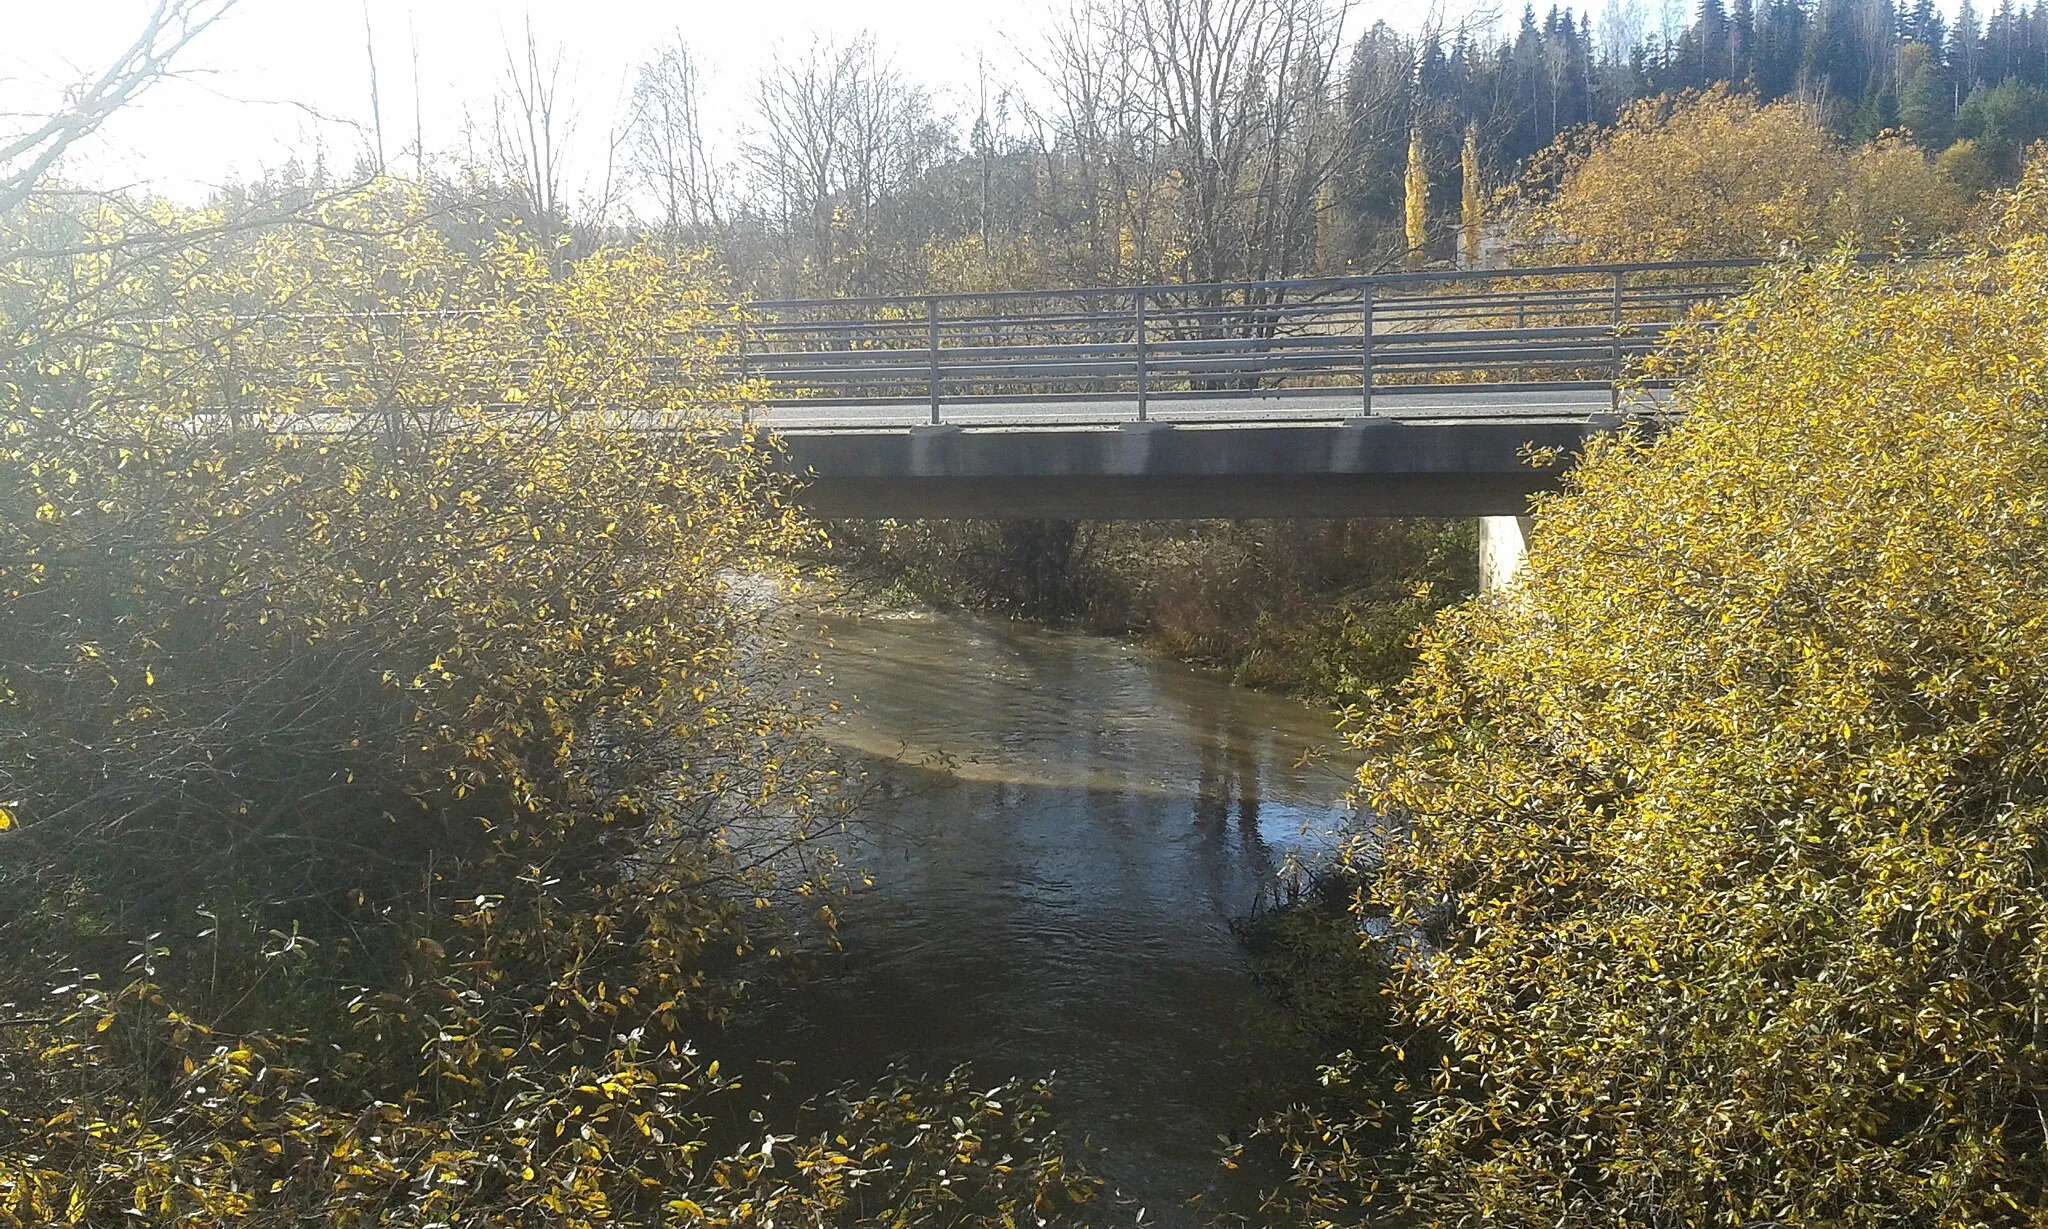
(1440, 404)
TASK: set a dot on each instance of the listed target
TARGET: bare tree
(530, 131)
(30, 152)
(1214, 118)
(668, 154)
(376, 100)
(837, 133)
(1102, 165)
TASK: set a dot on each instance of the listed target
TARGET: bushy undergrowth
(1323, 609)
(1719, 866)
(1719, 174)
(393, 780)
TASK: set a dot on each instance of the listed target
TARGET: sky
(279, 78)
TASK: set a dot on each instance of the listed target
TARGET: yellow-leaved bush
(1715, 865)
(399, 735)
(1718, 175)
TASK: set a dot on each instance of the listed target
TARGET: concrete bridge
(1409, 394)
(1378, 465)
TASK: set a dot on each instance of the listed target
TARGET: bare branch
(26, 157)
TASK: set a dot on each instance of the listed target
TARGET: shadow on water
(1060, 830)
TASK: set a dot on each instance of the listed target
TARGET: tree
(2004, 120)
(353, 620)
(669, 153)
(1716, 869)
(33, 146)
(530, 131)
(1713, 175)
(1209, 125)
(1967, 53)
(1892, 196)
(1472, 210)
(1965, 166)
(1379, 110)
(1417, 188)
(838, 134)
(1927, 104)
(352, 616)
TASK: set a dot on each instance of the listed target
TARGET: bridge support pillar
(1503, 548)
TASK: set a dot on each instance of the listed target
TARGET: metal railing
(1338, 341)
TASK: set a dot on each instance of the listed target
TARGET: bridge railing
(1336, 341)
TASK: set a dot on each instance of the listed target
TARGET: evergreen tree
(1867, 66)
(1966, 50)
(2000, 45)
(1927, 104)
(1741, 37)
(1706, 44)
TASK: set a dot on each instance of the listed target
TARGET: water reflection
(1061, 830)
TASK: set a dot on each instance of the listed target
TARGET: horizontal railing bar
(1327, 282)
(1214, 369)
(796, 359)
(1553, 300)
(1339, 281)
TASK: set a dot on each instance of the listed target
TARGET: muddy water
(1060, 830)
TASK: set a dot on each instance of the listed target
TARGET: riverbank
(1322, 610)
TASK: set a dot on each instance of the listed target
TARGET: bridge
(1419, 393)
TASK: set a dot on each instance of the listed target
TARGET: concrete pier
(1503, 549)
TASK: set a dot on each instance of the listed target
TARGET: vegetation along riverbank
(411, 766)
(1716, 884)
(1320, 609)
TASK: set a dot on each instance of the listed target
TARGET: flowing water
(1061, 829)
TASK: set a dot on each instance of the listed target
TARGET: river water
(1060, 829)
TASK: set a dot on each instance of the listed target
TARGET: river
(1060, 829)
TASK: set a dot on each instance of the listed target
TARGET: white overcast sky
(279, 77)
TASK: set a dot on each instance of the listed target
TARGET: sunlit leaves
(396, 725)
(1702, 176)
(1722, 834)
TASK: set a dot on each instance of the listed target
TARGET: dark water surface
(1060, 829)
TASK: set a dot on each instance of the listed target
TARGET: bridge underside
(1171, 498)
(1153, 471)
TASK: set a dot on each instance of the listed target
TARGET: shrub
(1718, 174)
(1965, 165)
(1894, 198)
(1721, 859)
(390, 762)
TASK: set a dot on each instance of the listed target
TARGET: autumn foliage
(1719, 870)
(401, 744)
(1718, 174)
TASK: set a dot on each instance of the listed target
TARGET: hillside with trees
(1284, 147)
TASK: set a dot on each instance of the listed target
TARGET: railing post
(1614, 391)
(746, 407)
(931, 318)
(1139, 297)
(1365, 348)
